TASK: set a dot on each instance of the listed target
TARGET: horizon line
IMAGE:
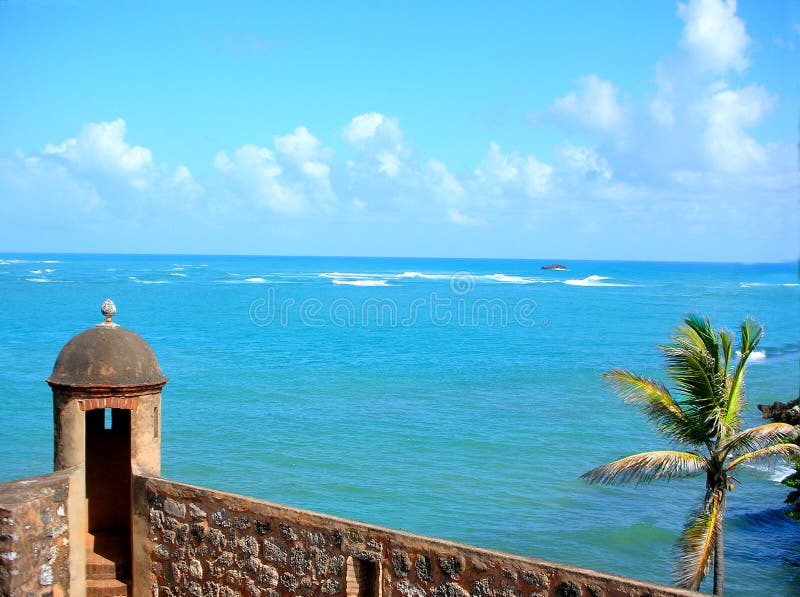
(428, 257)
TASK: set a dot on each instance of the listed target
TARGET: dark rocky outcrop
(787, 413)
(557, 267)
(782, 413)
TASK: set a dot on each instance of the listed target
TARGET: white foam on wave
(138, 281)
(358, 275)
(776, 470)
(49, 261)
(780, 472)
(593, 280)
(35, 271)
(757, 284)
(40, 280)
(49, 271)
(424, 276)
(360, 282)
(178, 275)
(382, 279)
(256, 280)
(511, 279)
(756, 355)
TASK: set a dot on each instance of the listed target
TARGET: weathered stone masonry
(34, 536)
(203, 542)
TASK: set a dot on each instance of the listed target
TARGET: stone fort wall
(195, 541)
(41, 547)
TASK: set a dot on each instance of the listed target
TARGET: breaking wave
(383, 279)
(360, 282)
(593, 280)
(756, 355)
(138, 281)
(767, 284)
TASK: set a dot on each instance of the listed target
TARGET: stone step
(98, 567)
(108, 555)
(106, 588)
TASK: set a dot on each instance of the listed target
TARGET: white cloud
(662, 108)
(316, 170)
(370, 127)
(299, 145)
(305, 152)
(102, 146)
(586, 162)
(728, 113)
(256, 170)
(363, 127)
(499, 174)
(292, 180)
(389, 163)
(496, 169)
(99, 156)
(183, 181)
(536, 177)
(714, 35)
(379, 140)
(595, 105)
(444, 185)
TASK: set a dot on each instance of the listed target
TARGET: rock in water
(782, 413)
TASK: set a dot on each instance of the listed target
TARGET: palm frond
(691, 367)
(655, 401)
(726, 343)
(751, 333)
(759, 437)
(776, 451)
(705, 333)
(647, 467)
(696, 545)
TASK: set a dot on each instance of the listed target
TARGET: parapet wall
(37, 538)
(196, 541)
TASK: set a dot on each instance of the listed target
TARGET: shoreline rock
(782, 413)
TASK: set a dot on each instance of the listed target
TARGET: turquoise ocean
(458, 398)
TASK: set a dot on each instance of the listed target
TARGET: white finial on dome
(108, 309)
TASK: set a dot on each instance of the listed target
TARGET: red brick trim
(95, 403)
(70, 391)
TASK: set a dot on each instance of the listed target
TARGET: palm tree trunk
(719, 563)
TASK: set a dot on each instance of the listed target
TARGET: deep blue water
(455, 398)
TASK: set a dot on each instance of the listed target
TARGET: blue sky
(624, 130)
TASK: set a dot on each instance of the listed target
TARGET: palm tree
(704, 416)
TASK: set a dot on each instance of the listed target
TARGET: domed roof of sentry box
(107, 355)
